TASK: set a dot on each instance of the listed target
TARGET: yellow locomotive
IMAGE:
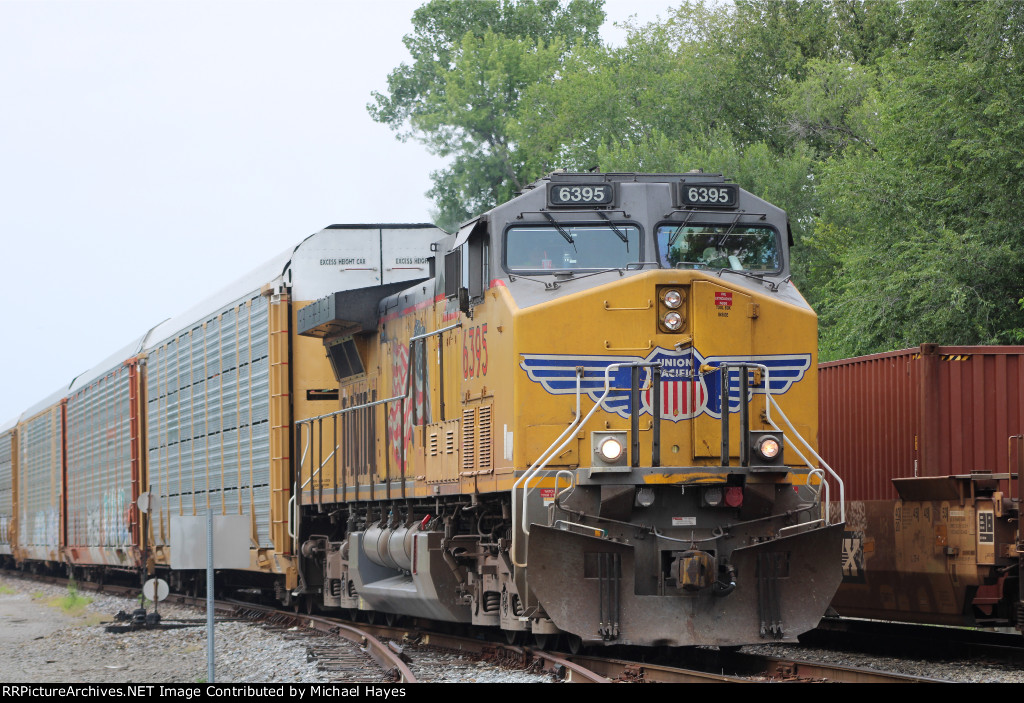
(596, 416)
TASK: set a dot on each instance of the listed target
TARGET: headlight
(644, 497)
(610, 449)
(672, 299)
(713, 496)
(673, 321)
(768, 447)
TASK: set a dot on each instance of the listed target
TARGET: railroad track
(369, 653)
(928, 640)
(348, 659)
(589, 668)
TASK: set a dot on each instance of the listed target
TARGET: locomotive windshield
(753, 249)
(571, 247)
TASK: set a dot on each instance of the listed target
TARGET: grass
(73, 603)
(6, 590)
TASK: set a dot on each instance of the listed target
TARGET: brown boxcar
(925, 411)
(928, 442)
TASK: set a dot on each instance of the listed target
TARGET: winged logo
(686, 393)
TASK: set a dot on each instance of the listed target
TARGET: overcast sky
(153, 151)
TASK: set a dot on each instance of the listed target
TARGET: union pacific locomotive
(592, 411)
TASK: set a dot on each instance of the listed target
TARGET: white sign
(230, 541)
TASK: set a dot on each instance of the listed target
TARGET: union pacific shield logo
(685, 392)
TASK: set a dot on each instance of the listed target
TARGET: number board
(726, 195)
(580, 194)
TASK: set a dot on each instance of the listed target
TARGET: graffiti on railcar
(45, 527)
(400, 420)
(108, 522)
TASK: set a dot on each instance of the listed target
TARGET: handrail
(570, 476)
(802, 525)
(770, 401)
(309, 437)
(541, 462)
(363, 406)
(558, 445)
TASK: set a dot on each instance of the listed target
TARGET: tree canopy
(460, 96)
(890, 131)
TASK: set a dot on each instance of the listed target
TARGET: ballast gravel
(41, 643)
(952, 671)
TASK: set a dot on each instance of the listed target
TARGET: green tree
(919, 218)
(461, 93)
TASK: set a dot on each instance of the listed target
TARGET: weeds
(73, 603)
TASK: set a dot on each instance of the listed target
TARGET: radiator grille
(476, 438)
(484, 436)
(468, 439)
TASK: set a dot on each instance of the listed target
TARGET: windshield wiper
(672, 237)
(566, 235)
(773, 286)
(615, 229)
(738, 272)
(548, 285)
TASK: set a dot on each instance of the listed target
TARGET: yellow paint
(462, 447)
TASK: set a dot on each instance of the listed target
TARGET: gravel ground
(41, 643)
(435, 666)
(954, 671)
(44, 644)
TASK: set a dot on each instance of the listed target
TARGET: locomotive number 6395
(724, 195)
(577, 194)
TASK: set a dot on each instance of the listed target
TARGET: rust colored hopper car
(591, 413)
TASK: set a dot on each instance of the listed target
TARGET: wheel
(574, 643)
(514, 637)
(391, 619)
(542, 640)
